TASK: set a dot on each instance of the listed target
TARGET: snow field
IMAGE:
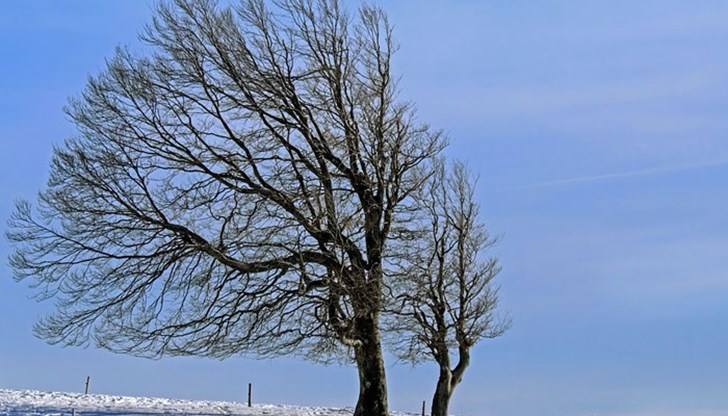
(32, 402)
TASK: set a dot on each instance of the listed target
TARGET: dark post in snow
(88, 383)
(423, 408)
(250, 394)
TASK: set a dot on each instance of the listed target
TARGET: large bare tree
(232, 189)
(446, 300)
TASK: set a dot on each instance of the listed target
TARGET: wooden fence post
(250, 394)
(88, 383)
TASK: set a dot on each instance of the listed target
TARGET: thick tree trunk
(443, 392)
(370, 363)
(448, 380)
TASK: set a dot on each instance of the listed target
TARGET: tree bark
(370, 364)
(448, 380)
(443, 392)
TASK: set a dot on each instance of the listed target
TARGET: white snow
(32, 402)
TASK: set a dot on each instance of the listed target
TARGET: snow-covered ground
(36, 403)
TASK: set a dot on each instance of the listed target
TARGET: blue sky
(600, 132)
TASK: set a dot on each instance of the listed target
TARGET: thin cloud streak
(626, 175)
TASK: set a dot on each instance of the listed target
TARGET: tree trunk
(443, 392)
(370, 363)
(448, 380)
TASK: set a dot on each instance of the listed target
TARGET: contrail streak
(629, 174)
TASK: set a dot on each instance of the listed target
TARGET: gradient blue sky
(600, 131)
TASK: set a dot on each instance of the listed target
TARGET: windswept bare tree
(232, 190)
(446, 300)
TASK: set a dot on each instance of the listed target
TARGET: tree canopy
(241, 185)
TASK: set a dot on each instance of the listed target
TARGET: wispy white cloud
(628, 174)
(647, 24)
(569, 99)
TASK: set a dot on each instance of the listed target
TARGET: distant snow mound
(38, 403)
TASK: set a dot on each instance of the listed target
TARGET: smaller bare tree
(446, 300)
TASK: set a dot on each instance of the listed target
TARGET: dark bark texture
(448, 380)
(370, 364)
(443, 392)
